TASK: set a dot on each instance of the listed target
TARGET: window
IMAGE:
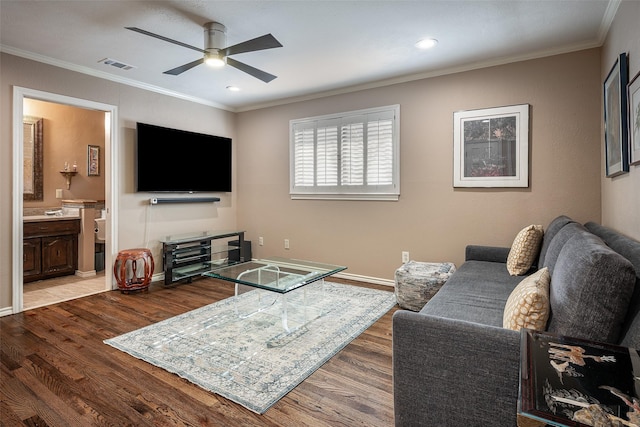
(353, 155)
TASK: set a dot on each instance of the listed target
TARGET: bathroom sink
(34, 218)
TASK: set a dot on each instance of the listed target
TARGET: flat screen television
(172, 160)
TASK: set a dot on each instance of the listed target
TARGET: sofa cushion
(557, 243)
(591, 286)
(524, 250)
(630, 249)
(476, 292)
(552, 229)
(528, 304)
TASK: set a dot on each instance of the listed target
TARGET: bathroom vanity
(50, 246)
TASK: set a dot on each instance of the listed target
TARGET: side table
(125, 269)
(573, 382)
(416, 282)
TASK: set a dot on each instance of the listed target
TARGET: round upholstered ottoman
(416, 282)
(126, 269)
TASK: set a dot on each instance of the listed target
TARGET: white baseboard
(359, 278)
(85, 274)
(7, 311)
(159, 277)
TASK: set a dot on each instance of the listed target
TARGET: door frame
(111, 181)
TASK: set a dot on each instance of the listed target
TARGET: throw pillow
(591, 289)
(524, 250)
(557, 243)
(549, 233)
(528, 304)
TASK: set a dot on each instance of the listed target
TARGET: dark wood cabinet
(32, 257)
(50, 248)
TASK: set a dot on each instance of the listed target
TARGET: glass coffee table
(279, 276)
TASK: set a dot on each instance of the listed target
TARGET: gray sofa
(453, 362)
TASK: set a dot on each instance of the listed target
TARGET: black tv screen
(172, 160)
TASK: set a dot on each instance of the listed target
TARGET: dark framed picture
(615, 118)
(93, 160)
(491, 147)
(633, 97)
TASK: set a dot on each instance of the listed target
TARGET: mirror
(32, 158)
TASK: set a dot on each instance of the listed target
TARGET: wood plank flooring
(56, 371)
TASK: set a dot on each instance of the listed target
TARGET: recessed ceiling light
(426, 43)
(233, 88)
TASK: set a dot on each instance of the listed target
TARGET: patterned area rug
(239, 349)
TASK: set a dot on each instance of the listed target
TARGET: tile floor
(51, 291)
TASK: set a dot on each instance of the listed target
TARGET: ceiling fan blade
(166, 39)
(181, 69)
(258, 74)
(259, 43)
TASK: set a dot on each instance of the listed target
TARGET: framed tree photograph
(633, 97)
(615, 118)
(491, 147)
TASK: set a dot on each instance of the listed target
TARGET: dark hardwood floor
(56, 371)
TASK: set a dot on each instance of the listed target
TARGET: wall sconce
(68, 175)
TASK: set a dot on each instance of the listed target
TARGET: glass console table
(279, 276)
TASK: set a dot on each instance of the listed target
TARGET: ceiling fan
(215, 52)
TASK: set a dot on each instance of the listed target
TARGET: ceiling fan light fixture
(214, 60)
(426, 43)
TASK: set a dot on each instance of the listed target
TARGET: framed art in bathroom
(93, 160)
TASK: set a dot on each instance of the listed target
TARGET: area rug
(248, 357)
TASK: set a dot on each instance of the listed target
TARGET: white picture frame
(491, 147)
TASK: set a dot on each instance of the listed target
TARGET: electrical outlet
(405, 257)
(261, 241)
(58, 193)
(286, 243)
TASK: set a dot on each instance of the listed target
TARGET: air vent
(117, 64)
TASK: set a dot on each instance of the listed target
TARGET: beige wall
(67, 131)
(432, 220)
(621, 195)
(133, 105)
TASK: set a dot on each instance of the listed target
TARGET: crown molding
(607, 20)
(425, 75)
(111, 77)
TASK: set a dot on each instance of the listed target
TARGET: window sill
(369, 197)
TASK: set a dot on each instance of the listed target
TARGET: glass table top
(274, 274)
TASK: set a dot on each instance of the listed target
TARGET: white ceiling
(329, 46)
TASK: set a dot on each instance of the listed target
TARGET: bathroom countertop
(36, 218)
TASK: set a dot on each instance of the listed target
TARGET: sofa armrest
(454, 373)
(486, 253)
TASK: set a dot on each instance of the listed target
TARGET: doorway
(101, 282)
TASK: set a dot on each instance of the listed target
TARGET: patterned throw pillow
(524, 250)
(528, 304)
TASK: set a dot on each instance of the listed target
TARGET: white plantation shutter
(304, 172)
(353, 155)
(327, 156)
(380, 152)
